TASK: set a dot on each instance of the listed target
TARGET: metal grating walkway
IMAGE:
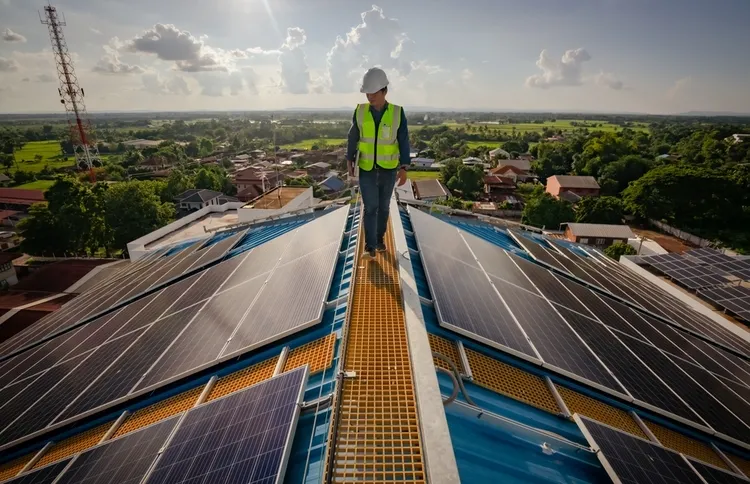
(378, 437)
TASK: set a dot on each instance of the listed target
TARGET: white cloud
(95, 31)
(10, 36)
(189, 53)
(376, 41)
(466, 75)
(679, 86)
(607, 79)
(45, 78)
(110, 62)
(8, 65)
(154, 83)
(295, 75)
(566, 72)
(217, 84)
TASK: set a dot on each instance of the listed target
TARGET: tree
(177, 183)
(599, 210)
(544, 210)
(469, 180)
(38, 158)
(616, 176)
(450, 169)
(619, 249)
(6, 160)
(519, 146)
(206, 147)
(133, 209)
(132, 158)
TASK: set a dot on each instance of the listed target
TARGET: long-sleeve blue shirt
(402, 136)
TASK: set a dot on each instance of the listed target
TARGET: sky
(650, 56)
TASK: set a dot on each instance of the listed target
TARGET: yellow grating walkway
(447, 348)
(243, 378)
(684, 444)
(378, 438)
(10, 469)
(600, 411)
(742, 464)
(73, 445)
(160, 410)
(318, 354)
(511, 381)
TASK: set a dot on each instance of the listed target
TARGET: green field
(562, 124)
(423, 175)
(43, 185)
(308, 143)
(489, 144)
(50, 151)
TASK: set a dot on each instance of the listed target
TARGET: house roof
(4, 177)
(494, 180)
(505, 169)
(601, 231)
(7, 213)
(571, 181)
(497, 150)
(430, 189)
(197, 196)
(570, 196)
(276, 198)
(423, 160)
(21, 196)
(523, 165)
(242, 157)
(321, 164)
(333, 183)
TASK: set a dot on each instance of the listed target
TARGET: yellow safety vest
(383, 150)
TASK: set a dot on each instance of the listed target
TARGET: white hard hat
(374, 80)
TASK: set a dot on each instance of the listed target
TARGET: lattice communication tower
(71, 95)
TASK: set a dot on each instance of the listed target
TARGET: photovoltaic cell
(244, 437)
(307, 280)
(479, 312)
(634, 375)
(260, 260)
(632, 460)
(65, 389)
(209, 282)
(537, 251)
(496, 262)
(713, 475)
(548, 285)
(17, 364)
(122, 376)
(44, 475)
(312, 236)
(53, 353)
(125, 460)
(124, 320)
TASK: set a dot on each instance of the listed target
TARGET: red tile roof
(58, 276)
(494, 180)
(21, 196)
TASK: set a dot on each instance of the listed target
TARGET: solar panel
(714, 475)
(43, 475)
(547, 284)
(243, 437)
(537, 251)
(210, 281)
(497, 263)
(631, 460)
(125, 460)
(117, 380)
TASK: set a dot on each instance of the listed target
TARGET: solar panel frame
(43, 475)
(713, 475)
(647, 453)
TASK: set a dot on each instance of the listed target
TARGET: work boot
(380, 247)
(369, 253)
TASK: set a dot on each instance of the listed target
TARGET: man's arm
(353, 141)
(402, 135)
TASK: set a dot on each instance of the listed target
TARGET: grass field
(50, 151)
(423, 175)
(37, 185)
(308, 143)
(563, 124)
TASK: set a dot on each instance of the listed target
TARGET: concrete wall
(137, 248)
(301, 201)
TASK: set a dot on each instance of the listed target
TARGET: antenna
(71, 94)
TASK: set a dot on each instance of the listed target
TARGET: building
(495, 185)
(7, 271)
(420, 162)
(499, 153)
(196, 199)
(466, 352)
(430, 190)
(275, 202)
(598, 235)
(19, 199)
(253, 182)
(142, 144)
(514, 173)
(318, 170)
(740, 137)
(522, 164)
(473, 161)
(333, 184)
(583, 186)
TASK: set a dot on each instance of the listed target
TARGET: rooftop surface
(572, 181)
(276, 198)
(601, 230)
(195, 229)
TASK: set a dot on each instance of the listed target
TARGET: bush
(618, 249)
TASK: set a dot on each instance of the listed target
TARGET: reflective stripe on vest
(384, 150)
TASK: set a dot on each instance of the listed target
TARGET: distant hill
(714, 113)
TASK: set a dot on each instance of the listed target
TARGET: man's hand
(350, 166)
(401, 176)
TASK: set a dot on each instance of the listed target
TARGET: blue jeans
(376, 186)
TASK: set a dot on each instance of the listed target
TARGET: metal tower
(71, 95)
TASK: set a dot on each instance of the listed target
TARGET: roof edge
(440, 459)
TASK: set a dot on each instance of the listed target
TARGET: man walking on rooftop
(379, 145)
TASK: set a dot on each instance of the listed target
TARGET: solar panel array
(607, 275)
(632, 460)
(244, 437)
(733, 298)
(144, 275)
(211, 316)
(519, 307)
(43, 475)
(691, 272)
